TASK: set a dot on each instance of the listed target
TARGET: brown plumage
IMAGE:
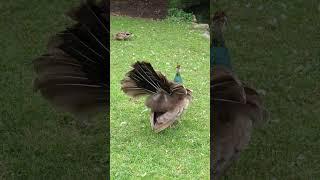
(166, 99)
(237, 108)
(73, 74)
(123, 36)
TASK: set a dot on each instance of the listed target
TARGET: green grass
(275, 47)
(37, 142)
(180, 152)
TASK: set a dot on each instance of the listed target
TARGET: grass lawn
(275, 47)
(180, 152)
(37, 142)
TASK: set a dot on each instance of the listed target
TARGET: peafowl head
(220, 20)
(178, 68)
(177, 78)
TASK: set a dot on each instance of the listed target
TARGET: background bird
(73, 74)
(123, 36)
(236, 107)
(166, 99)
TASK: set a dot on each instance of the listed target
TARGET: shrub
(178, 15)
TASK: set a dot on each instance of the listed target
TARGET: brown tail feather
(236, 109)
(164, 95)
(73, 75)
(144, 80)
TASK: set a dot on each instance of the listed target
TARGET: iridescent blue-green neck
(178, 78)
(220, 56)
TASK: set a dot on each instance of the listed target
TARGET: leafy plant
(178, 15)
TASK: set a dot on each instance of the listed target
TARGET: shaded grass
(275, 47)
(180, 152)
(37, 142)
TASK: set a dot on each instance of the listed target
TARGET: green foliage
(178, 15)
(176, 3)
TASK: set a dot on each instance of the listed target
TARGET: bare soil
(155, 9)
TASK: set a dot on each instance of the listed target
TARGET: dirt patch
(155, 9)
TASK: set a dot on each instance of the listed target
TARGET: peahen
(74, 73)
(237, 108)
(166, 99)
(123, 36)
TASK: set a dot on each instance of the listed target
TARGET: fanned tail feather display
(74, 74)
(165, 98)
(144, 80)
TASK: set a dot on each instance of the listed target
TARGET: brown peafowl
(123, 36)
(237, 108)
(74, 73)
(166, 99)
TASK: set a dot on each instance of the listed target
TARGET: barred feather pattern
(73, 74)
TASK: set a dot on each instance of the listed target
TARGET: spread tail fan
(166, 99)
(237, 108)
(73, 75)
(229, 90)
(144, 80)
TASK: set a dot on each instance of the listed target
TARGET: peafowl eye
(166, 99)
